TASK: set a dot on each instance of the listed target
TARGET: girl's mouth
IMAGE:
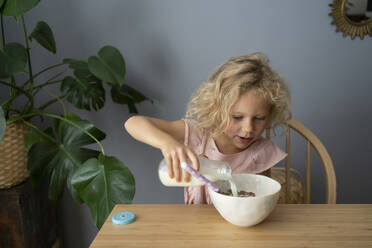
(245, 140)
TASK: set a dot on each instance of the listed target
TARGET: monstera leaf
(109, 65)
(84, 91)
(61, 152)
(13, 60)
(43, 34)
(127, 95)
(18, 7)
(76, 64)
(102, 183)
(35, 135)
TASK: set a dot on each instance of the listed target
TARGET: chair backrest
(311, 141)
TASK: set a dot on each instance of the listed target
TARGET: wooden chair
(290, 175)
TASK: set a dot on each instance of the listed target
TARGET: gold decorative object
(352, 18)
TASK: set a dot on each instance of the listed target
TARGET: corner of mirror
(352, 17)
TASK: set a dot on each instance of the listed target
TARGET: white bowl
(247, 211)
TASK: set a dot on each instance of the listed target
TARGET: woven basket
(296, 189)
(13, 156)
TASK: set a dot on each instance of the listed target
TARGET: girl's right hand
(175, 153)
(165, 135)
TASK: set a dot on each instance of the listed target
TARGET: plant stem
(49, 81)
(39, 131)
(2, 33)
(58, 99)
(28, 56)
(59, 118)
(21, 90)
(8, 103)
(39, 87)
(42, 71)
(15, 111)
(13, 93)
(42, 107)
(57, 75)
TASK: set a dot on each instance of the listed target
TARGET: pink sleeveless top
(260, 156)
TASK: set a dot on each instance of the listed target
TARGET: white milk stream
(233, 187)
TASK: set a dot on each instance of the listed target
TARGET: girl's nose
(247, 127)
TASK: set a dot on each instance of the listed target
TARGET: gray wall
(171, 46)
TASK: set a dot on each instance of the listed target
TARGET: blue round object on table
(123, 218)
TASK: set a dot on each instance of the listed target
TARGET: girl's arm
(168, 136)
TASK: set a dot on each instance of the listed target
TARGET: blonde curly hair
(211, 104)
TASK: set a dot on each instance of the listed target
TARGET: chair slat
(308, 172)
(268, 133)
(331, 193)
(313, 142)
(268, 136)
(287, 166)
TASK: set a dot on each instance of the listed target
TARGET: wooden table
(194, 226)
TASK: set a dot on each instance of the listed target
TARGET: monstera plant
(59, 152)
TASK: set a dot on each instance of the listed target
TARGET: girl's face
(249, 118)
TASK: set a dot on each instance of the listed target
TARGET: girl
(224, 121)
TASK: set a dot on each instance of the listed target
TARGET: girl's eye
(260, 118)
(236, 117)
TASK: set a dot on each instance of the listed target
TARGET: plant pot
(13, 156)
